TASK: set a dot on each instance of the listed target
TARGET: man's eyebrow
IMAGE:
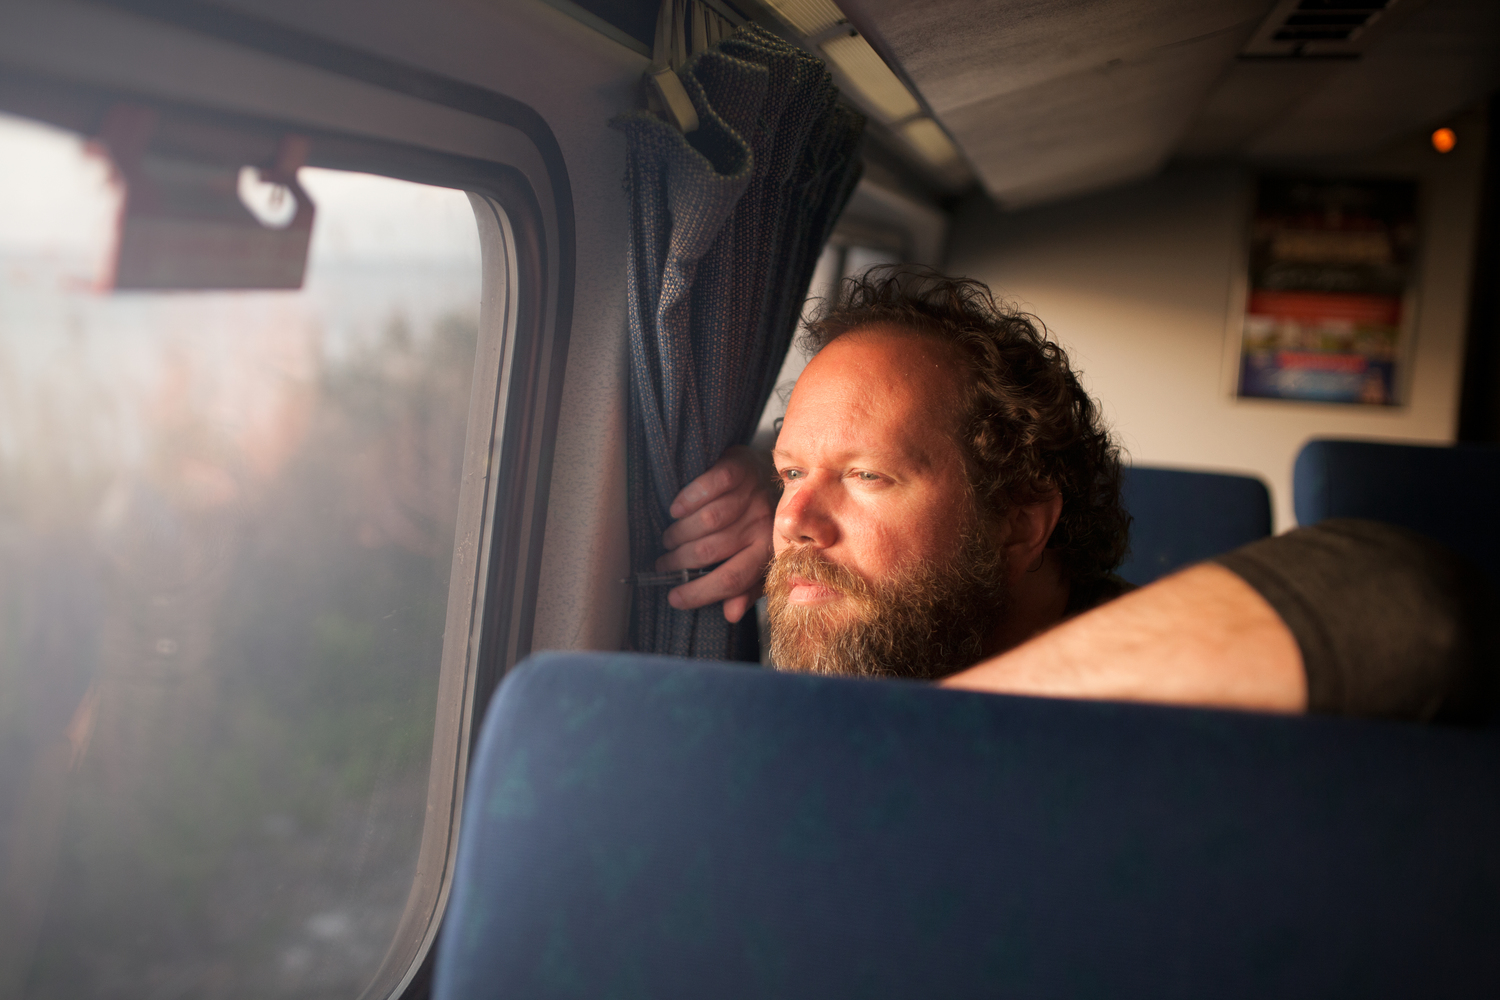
(858, 456)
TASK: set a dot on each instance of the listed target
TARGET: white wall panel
(1141, 285)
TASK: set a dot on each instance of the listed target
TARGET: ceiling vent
(1318, 29)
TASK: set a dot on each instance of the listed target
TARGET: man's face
(882, 566)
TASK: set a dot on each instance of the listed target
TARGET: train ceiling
(1051, 99)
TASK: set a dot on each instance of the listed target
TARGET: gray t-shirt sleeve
(1390, 623)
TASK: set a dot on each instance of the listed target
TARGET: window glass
(226, 530)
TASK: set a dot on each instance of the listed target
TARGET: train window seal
(524, 313)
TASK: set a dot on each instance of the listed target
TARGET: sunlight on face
(873, 476)
(881, 567)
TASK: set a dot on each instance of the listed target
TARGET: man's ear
(1030, 527)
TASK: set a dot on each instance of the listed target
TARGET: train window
(227, 527)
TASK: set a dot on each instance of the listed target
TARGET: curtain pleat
(726, 226)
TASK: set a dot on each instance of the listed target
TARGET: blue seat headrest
(1451, 494)
(644, 827)
(1179, 518)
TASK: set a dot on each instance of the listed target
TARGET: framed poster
(1327, 311)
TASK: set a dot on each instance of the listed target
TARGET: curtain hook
(670, 97)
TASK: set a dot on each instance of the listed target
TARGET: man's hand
(723, 515)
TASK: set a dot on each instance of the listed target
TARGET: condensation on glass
(226, 531)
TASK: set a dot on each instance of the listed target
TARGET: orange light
(1443, 140)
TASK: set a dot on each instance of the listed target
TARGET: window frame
(523, 209)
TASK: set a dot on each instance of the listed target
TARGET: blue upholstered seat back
(1451, 494)
(1179, 518)
(641, 827)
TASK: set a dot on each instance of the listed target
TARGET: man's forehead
(876, 391)
(863, 441)
(867, 346)
(880, 368)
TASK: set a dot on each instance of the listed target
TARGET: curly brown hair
(1029, 427)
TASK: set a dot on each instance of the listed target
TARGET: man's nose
(803, 516)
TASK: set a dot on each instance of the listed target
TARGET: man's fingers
(734, 608)
(712, 516)
(738, 576)
(723, 516)
(704, 552)
(724, 476)
(719, 546)
(737, 607)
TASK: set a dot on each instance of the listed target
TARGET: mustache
(805, 562)
(925, 620)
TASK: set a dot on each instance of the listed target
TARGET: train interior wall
(1143, 284)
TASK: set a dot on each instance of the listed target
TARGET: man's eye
(790, 474)
(868, 477)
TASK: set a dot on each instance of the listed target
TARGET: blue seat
(1451, 494)
(1179, 518)
(645, 827)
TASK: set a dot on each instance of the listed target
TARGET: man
(950, 498)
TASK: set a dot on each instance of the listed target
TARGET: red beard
(923, 623)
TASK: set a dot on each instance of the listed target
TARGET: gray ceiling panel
(1054, 98)
(960, 52)
(1249, 99)
(1441, 60)
(1101, 126)
(1049, 98)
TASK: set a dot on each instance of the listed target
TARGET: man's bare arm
(1201, 637)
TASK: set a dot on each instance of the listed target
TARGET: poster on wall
(1330, 268)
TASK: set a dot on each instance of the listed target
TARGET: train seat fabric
(646, 827)
(1448, 493)
(1179, 518)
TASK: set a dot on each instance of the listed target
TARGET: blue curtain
(726, 225)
